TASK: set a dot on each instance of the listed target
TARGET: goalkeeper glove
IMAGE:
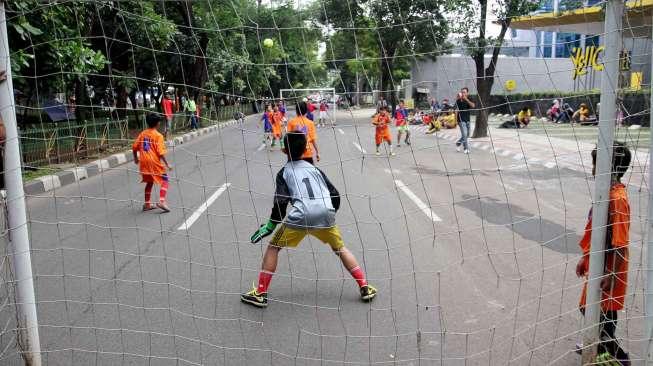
(263, 231)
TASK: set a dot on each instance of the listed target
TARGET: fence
(71, 141)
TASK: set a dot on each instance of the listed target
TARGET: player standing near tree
(304, 125)
(401, 115)
(614, 280)
(149, 151)
(314, 202)
(382, 122)
(463, 105)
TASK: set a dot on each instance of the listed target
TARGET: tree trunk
(484, 88)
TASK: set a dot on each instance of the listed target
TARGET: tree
(478, 43)
(403, 30)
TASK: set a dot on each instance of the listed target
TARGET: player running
(267, 125)
(314, 202)
(401, 115)
(382, 122)
(149, 151)
(276, 119)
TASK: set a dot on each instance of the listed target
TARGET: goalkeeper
(314, 202)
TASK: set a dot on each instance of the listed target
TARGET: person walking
(463, 106)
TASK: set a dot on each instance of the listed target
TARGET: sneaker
(378, 153)
(392, 153)
(459, 148)
(466, 151)
(255, 299)
(398, 145)
(163, 206)
(147, 207)
(368, 293)
(408, 143)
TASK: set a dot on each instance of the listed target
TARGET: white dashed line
(420, 204)
(550, 165)
(341, 131)
(261, 147)
(359, 147)
(485, 147)
(506, 153)
(518, 156)
(196, 215)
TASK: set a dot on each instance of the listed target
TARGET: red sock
(163, 191)
(264, 279)
(359, 276)
(148, 193)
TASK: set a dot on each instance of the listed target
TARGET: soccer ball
(268, 42)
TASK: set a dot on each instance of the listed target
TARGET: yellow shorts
(287, 237)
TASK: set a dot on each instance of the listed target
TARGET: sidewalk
(75, 174)
(543, 151)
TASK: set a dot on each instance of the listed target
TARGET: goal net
(455, 189)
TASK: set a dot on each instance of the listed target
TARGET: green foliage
(199, 46)
(389, 36)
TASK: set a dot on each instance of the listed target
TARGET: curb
(68, 176)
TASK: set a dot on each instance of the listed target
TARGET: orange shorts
(383, 135)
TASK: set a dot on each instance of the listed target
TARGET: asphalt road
(473, 256)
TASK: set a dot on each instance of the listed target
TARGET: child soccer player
(267, 124)
(382, 123)
(276, 118)
(401, 114)
(324, 107)
(306, 126)
(314, 202)
(615, 278)
(149, 151)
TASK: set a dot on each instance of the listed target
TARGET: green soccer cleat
(606, 359)
(368, 292)
(255, 299)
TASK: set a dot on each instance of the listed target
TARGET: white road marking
(395, 171)
(506, 153)
(359, 147)
(420, 204)
(261, 147)
(341, 131)
(518, 156)
(485, 147)
(550, 165)
(196, 215)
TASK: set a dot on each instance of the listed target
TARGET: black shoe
(254, 298)
(368, 293)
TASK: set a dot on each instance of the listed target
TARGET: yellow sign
(584, 59)
(410, 103)
(636, 81)
(510, 85)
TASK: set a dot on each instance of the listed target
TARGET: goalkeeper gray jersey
(313, 199)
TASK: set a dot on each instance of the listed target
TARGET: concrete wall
(445, 76)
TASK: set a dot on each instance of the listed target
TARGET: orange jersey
(276, 119)
(617, 238)
(150, 147)
(305, 125)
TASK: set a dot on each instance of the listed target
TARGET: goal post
(315, 94)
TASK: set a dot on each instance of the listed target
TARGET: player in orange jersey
(149, 151)
(614, 279)
(382, 122)
(302, 124)
(276, 119)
